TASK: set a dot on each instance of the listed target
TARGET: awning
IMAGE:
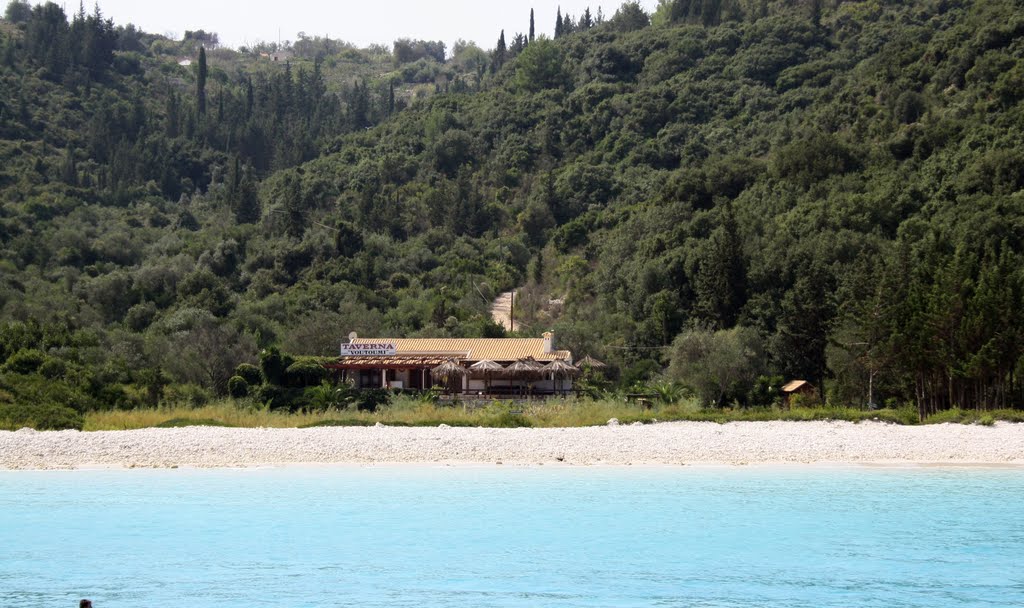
(386, 362)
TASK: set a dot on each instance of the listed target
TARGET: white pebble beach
(669, 443)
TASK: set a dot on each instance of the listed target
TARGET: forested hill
(720, 191)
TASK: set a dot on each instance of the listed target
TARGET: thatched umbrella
(488, 368)
(560, 369)
(525, 369)
(448, 371)
(591, 362)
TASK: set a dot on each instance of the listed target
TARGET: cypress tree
(247, 203)
(816, 13)
(69, 171)
(201, 82)
(500, 51)
(531, 25)
(172, 116)
(248, 97)
(558, 23)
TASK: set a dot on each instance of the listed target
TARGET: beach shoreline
(663, 444)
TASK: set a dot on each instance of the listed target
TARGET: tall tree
(247, 203)
(807, 315)
(558, 23)
(500, 51)
(721, 278)
(568, 25)
(531, 25)
(815, 10)
(68, 170)
(586, 21)
(201, 82)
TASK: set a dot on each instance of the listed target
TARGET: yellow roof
(473, 349)
(795, 385)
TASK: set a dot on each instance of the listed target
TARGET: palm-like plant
(328, 396)
(669, 393)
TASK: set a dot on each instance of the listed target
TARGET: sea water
(501, 536)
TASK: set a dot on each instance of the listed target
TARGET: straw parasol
(559, 369)
(488, 369)
(448, 371)
(525, 369)
(589, 361)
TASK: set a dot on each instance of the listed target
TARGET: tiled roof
(473, 349)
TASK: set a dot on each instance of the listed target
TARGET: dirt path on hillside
(501, 311)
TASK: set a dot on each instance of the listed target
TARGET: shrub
(328, 396)
(281, 398)
(53, 368)
(25, 361)
(274, 364)
(238, 387)
(250, 373)
(114, 397)
(40, 416)
(270, 395)
(766, 391)
(373, 399)
(797, 401)
(175, 423)
(305, 372)
(187, 394)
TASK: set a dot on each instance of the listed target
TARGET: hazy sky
(362, 23)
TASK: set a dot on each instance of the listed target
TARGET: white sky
(362, 23)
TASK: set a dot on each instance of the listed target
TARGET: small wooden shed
(798, 387)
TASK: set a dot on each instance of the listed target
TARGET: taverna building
(470, 366)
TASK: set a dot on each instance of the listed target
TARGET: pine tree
(807, 316)
(201, 82)
(531, 25)
(721, 277)
(558, 23)
(568, 25)
(586, 21)
(518, 44)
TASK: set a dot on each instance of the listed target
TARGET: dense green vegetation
(410, 411)
(723, 194)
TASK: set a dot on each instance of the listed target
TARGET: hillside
(736, 190)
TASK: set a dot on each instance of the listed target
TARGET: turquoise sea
(503, 536)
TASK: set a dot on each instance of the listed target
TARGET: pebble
(667, 443)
